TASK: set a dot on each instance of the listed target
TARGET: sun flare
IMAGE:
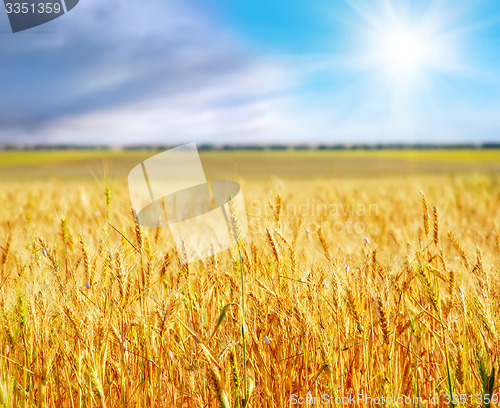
(405, 47)
(404, 52)
(405, 57)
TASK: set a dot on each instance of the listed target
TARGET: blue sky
(234, 71)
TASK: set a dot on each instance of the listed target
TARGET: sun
(403, 55)
(407, 48)
(398, 66)
(405, 52)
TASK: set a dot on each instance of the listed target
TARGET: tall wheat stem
(237, 235)
(243, 328)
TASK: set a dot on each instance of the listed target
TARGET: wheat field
(382, 288)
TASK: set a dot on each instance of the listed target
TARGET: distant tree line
(261, 147)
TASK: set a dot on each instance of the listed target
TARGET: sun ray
(404, 49)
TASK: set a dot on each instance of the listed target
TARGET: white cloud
(135, 72)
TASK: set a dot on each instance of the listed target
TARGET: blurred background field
(85, 164)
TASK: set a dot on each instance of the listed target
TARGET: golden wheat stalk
(274, 247)
(459, 249)
(436, 227)
(426, 216)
